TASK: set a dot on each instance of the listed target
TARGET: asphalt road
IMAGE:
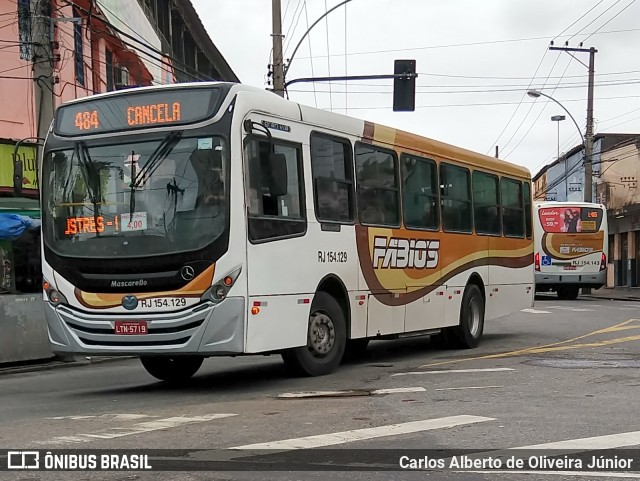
(566, 371)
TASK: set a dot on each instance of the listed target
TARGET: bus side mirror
(17, 177)
(278, 168)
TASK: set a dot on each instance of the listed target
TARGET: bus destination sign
(136, 110)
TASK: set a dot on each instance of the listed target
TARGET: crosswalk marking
(453, 371)
(331, 439)
(535, 311)
(467, 387)
(580, 474)
(139, 428)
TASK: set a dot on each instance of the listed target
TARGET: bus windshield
(135, 199)
(571, 219)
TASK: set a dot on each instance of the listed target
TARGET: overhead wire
(608, 21)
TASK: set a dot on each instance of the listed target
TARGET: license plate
(131, 327)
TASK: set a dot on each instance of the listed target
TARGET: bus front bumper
(594, 280)
(205, 329)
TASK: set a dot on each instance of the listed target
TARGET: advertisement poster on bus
(571, 231)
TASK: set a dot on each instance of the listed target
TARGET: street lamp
(558, 119)
(535, 94)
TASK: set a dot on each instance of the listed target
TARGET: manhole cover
(585, 363)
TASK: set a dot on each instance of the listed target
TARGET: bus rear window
(570, 219)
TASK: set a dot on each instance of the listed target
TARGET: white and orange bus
(571, 244)
(214, 219)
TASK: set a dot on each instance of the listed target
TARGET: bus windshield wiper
(89, 174)
(155, 159)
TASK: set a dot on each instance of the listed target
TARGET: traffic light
(404, 86)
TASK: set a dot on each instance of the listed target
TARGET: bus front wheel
(172, 369)
(326, 339)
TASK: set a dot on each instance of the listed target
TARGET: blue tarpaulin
(13, 225)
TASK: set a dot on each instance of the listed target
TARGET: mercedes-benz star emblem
(129, 302)
(187, 273)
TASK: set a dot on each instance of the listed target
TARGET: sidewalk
(616, 293)
(54, 363)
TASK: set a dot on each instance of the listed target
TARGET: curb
(607, 298)
(56, 364)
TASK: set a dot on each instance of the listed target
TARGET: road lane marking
(139, 428)
(609, 441)
(112, 417)
(571, 309)
(453, 371)
(343, 437)
(347, 393)
(556, 346)
(467, 387)
(582, 474)
(535, 311)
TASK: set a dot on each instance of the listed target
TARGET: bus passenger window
(420, 193)
(486, 203)
(455, 186)
(527, 210)
(331, 163)
(378, 195)
(512, 208)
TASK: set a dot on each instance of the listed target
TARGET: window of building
(378, 193)
(512, 208)
(332, 167)
(527, 210)
(78, 55)
(455, 185)
(420, 193)
(486, 203)
(110, 73)
(272, 216)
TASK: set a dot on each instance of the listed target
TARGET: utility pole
(43, 78)
(588, 141)
(278, 62)
(588, 148)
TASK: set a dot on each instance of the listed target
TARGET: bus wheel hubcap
(474, 317)
(322, 333)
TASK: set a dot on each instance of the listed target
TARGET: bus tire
(568, 293)
(172, 369)
(467, 334)
(326, 339)
(356, 348)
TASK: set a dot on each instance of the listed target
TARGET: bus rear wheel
(172, 369)
(326, 339)
(467, 334)
(568, 293)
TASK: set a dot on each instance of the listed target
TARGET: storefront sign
(27, 155)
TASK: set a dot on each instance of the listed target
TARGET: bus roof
(377, 133)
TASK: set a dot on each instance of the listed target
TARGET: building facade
(616, 169)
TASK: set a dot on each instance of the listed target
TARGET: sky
(475, 62)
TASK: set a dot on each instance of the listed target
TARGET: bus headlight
(53, 295)
(218, 292)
